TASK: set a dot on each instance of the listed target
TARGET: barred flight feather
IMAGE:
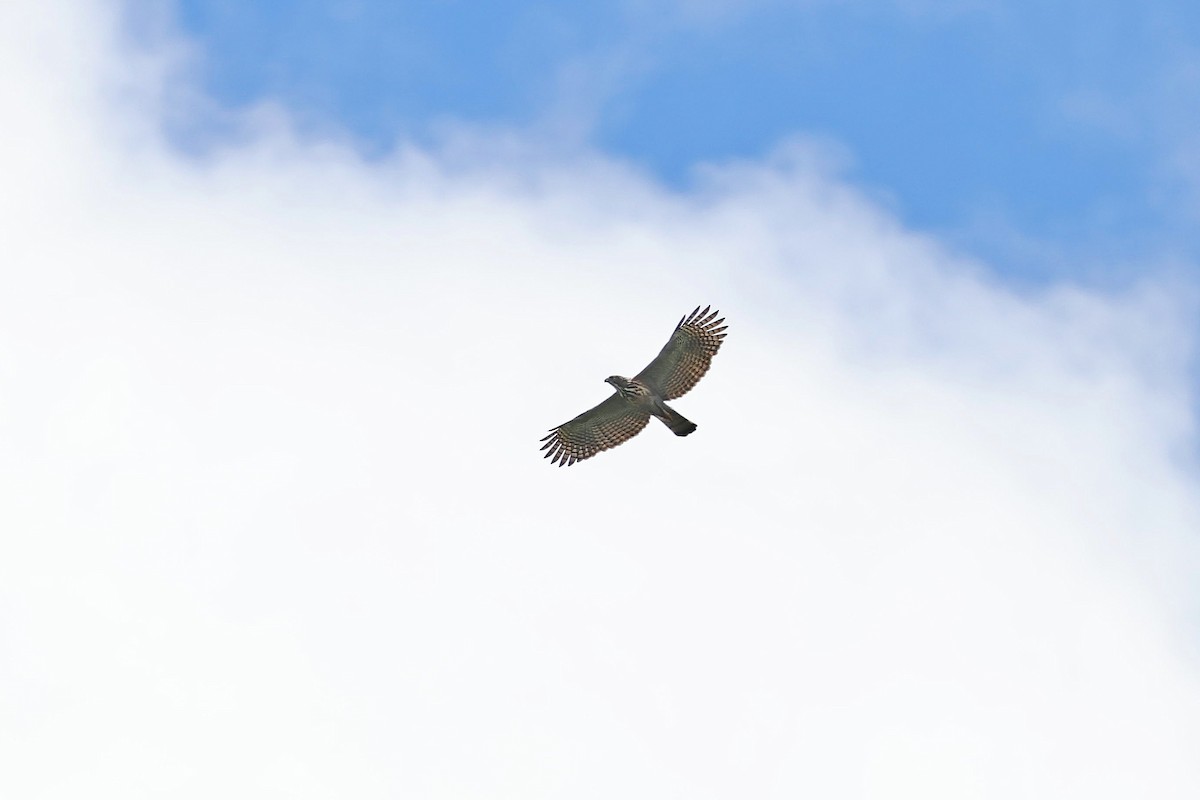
(687, 356)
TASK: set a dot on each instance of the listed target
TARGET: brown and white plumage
(686, 356)
(607, 425)
(677, 368)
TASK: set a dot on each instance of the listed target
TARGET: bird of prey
(673, 372)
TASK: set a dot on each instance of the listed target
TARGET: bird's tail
(678, 423)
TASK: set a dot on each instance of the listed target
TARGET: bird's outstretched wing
(614, 421)
(687, 355)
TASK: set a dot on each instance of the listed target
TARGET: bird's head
(625, 387)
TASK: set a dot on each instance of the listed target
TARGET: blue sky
(1044, 138)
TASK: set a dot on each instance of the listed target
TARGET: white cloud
(275, 522)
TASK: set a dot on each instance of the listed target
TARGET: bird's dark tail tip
(678, 423)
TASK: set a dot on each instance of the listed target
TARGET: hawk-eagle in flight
(673, 372)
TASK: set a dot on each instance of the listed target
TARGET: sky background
(1053, 140)
(275, 358)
